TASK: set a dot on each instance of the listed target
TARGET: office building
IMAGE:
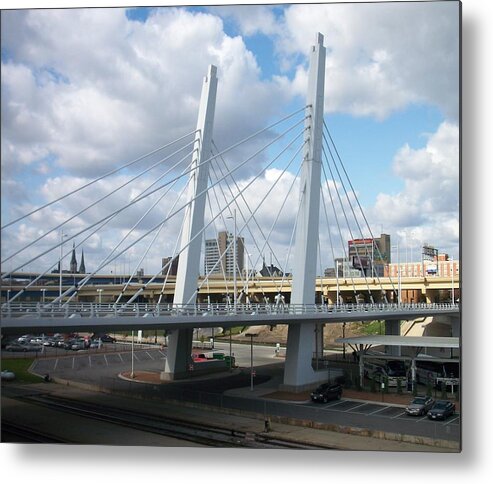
(219, 255)
(370, 256)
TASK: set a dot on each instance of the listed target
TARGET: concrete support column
(393, 327)
(179, 357)
(431, 295)
(456, 326)
(298, 371)
(318, 347)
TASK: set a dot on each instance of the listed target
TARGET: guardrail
(143, 310)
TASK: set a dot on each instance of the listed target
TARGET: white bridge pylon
(301, 337)
(180, 341)
(298, 370)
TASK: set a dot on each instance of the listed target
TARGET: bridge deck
(108, 318)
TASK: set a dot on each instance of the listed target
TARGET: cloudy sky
(85, 91)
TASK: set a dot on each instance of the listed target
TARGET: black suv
(326, 392)
(105, 338)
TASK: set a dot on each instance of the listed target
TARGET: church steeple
(73, 261)
(82, 267)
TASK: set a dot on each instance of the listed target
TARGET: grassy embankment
(20, 367)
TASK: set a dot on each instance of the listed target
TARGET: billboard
(361, 262)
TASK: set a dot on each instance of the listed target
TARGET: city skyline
(391, 104)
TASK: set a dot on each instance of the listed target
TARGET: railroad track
(200, 433)
(16, 433)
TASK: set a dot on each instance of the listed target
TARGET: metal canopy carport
(418, 342)
(392, 340)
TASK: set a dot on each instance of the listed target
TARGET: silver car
(420, 406)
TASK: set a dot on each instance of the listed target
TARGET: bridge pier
(298, 372)
(179, 357)
(393, 327)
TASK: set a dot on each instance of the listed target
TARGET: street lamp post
(132, 375)
(398, 274)
(62, 235)
(251, 362)
(235, 301)
(453, 295)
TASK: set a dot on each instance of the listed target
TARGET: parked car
(78, 344)
(8, 375)
(326, 392)
(420, 405)
(67, 344)
(441, 410)
(105, 338)
(25, 347)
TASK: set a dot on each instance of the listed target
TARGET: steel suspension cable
(255, 220)
(350, 232)
(233, 170)
(337, 222)
(205, 161)
(3, 276)
(360, 208)
(330, 240)
(97, 201)
(103, 223)
(98, 179)
(87, 278)
(268, 192)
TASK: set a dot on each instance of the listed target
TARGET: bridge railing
(148, 310)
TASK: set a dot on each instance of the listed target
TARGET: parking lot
(378, 410)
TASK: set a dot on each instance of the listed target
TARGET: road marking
(379, 410)
(105, 359)
(119, 354)
(354, 408)
(90, 363)
(73, 362)
(399, 415)
(150, 356)
(56, 363)
(333, 404)
(451, 421)
(136, 357)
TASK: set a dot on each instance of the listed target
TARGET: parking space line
(90, 363)
(354, 408)
(119, 354)
(334, 404)
(399, 415)
(56, 364)
(164, 356)
(105, 359)
(73, 362)
(136, 357)
(379, 410)
(150, 356)
(453, 420)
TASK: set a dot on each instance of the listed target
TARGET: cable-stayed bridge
(293, 177)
